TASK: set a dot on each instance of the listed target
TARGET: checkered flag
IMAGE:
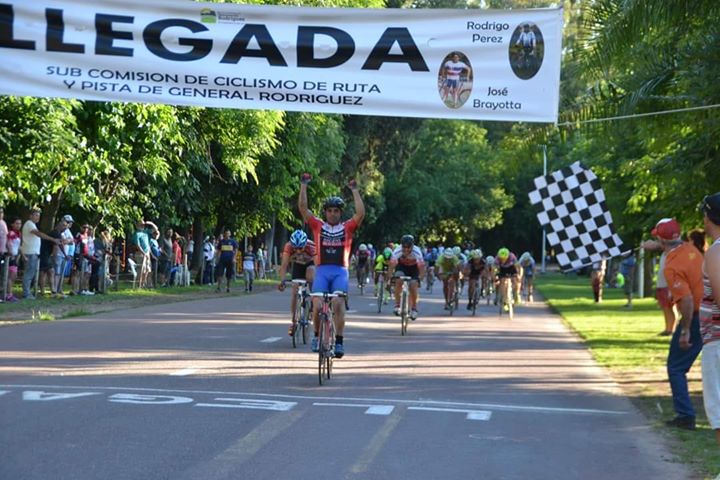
(572, 203)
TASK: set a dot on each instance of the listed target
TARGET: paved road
(213, 390)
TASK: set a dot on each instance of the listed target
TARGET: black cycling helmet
(334, 202)
(407, 241)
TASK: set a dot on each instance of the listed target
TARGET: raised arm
(359, 205)
(302, 198)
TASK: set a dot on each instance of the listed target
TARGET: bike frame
(300, 315)
(326, 337)
(404, 303)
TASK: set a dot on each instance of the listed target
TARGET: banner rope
(638, 115)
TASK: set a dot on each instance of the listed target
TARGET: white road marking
(351, 311)
(148, 399)
(471, 414)
(250, 404)
(184, 372)
(3, 392)
(35, 396)
(271, 340)
(371, 409)
(424, 402)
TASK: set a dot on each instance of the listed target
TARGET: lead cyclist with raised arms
(333, 240)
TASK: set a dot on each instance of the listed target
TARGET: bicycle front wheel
(380, 295)
(403, 313)
(323, 348)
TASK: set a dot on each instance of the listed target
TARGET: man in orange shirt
(683, 273)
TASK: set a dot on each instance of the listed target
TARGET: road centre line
(471, 414)
(371, 409)
(474, 406)
(227, 462)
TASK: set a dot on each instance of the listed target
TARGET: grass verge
(627, 342)
(124, 297)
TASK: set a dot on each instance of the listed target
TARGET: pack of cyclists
(324, 260)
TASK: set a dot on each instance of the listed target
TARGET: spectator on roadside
(3, 250)
(226, 251)
(683, 273)
(141, 242)
(103, 246)
(208, 255)
(155, 255)
(662, 292)
(249, 266)
(64, 255)
(57, 258)
(166, 257)
(81, 278)
(627, 268)
(176, 260)
(710, 314)
(14, 239)
(697, 238)
(30, 248)
(597, 278)
(260, 254)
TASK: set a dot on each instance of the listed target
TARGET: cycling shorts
(451, 83)
(299, 270)
(330, 278)
(475, 273)
(408, 271)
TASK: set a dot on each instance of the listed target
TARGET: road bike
(429, 279)
(488, 288)
(301, 315)
(454, 299)
(326, 334)
(361, 279)
(527, 290)
(381, 293)
(476, 296)
(404, 303)
(505, 296)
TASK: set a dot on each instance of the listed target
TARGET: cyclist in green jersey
(382, 262)
(448, 270)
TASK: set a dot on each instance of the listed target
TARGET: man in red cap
(683, 273)
(710, 314)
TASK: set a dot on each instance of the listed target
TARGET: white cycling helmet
(448, 253)
(363, 247)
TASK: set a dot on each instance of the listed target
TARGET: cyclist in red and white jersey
(333, 241)
(407, 260)
(301, 253)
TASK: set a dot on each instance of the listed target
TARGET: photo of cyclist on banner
(455, 80)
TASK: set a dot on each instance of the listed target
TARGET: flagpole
(542, 269)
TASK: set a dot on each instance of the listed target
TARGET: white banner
(471, 64)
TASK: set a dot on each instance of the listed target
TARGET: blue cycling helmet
(298, 239)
